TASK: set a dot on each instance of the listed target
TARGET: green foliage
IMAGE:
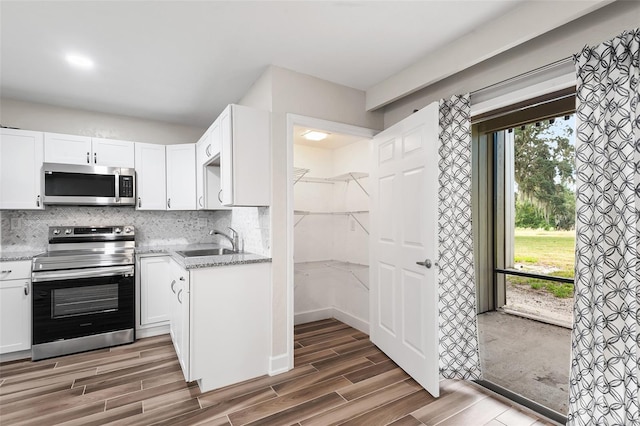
(551, 249)
(528, 216)
(544, 167)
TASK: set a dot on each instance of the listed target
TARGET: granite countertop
(200, 261)
(10, 256)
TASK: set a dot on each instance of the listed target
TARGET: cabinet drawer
(15, 270)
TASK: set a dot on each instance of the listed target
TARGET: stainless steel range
(83, 290)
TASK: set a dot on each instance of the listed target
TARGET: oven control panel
(91, 233)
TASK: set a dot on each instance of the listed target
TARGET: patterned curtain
(459, 357)
(603, 387)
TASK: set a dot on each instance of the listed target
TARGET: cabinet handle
(88, 161)
(208, 150)
(169, 203)
(220, 195)
(38, 201)
(200, 201)
(139, 202)
(6, 271)
(173, 282)
(179, 293)
(26, 289)
(95, 158)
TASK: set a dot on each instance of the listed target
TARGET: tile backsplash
(26, 230)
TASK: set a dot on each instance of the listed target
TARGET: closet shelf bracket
(362, 283)
(298, 173)
(359, 223)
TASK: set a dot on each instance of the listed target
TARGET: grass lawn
(545, 250)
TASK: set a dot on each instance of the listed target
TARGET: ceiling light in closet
(79, 61)
(314, 135)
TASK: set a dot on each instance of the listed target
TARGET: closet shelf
(352, 214)
(346, 177)
(299, 173)
(307, 213)
(317, 266)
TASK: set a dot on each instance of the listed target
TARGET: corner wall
(295, 93)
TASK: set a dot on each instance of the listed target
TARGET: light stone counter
(200, 261)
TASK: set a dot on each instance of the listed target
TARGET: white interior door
(404, 208)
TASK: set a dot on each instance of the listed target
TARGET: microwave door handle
(117, 176)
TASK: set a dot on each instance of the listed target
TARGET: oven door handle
(82, 273)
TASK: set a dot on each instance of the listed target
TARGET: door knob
(426, 263)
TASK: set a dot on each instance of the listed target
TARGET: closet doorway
(331, 226)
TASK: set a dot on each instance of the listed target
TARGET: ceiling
(332, 141)
(183, 61)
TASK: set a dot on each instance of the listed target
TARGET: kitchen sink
(206, 252)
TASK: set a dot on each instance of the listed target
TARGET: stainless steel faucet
(233, 240)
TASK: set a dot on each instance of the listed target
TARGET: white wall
(48, 118)
(553, 46)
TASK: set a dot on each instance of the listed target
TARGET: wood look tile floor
(340, 378)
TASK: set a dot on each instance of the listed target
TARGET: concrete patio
(528, 357)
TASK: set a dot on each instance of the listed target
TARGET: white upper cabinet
(202, 147)
(181, 177)
(84, 150)
(245, 156)
(67, 149)
(208, 170)
(113, 153)
(21, 154)
(150, 176)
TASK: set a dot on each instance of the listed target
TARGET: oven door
(82, 302)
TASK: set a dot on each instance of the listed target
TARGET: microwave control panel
(126, 186)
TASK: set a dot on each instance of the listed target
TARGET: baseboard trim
(279, 364)
(351, 320)
(310, 316)
(15, 356)
(332, 312)
(141, 333)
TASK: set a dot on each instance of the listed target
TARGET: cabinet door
(245, 156)
(150, 176)
(15, 316)
(202, 146)
(226, 157)
(180, 316)
(213, 149)
(184, 324)
(155, 296)
(67, 149)
(113, 153)
(181, 177)
(21, 154)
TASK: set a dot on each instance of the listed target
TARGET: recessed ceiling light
(80, 61)
(314, 135)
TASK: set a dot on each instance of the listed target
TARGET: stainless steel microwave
(88, 185)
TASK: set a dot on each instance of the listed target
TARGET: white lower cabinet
(220, 322)
(154, 297)
(15, 306)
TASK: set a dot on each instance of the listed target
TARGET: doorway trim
(320, 124)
